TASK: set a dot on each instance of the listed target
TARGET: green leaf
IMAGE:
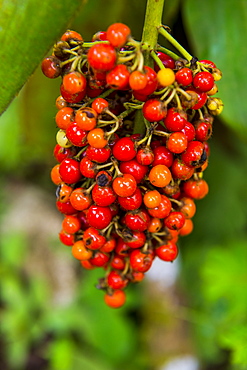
(28, 30)
(217, 31)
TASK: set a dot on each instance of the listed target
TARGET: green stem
(153, 16)
(175, 43)
(168, 52)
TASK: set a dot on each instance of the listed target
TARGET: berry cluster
(131, 151)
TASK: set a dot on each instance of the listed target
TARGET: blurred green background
(52, 316)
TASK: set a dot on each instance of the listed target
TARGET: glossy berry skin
(76, 135)
(135, 169)
(66, 238)
(116, 281)
(151, 82)
(88, 168)
(177, 142)
(203, 81)
(163, 209)
(71, 224)
(64, 117)
(184, 76)
(137, 80)
(99, 217)
(160, 175)
(72, 98)
(181, 171)
(96, 138)
(102, 57)
(139, 261)
(189, 131)
(117, 34)
(167, 252)
(132, 202)
(145, 156)
(71, 35)
(124, 149)
(125, 185)
(99, 155)
(195, 189)
(138, 239)
(187, 228)
(99, 105)
(152, 198)
(116, 299)
(109, 245)
(167, 61)
(188, 207)
(155, 225)
(86, 118)
(175, 220)
(162, 156)
(138, 221)
(61, 153)
(93, 239)
(80, 200)
(65, 207)
(99, 259)
(175, 120)
(203, 130)
(195, 154)
(118, 77)
(50, 67)
(201, 98)
(63, 192)
(74, 82)
(69, 170)
(103, 196)
(153, 110)
(80, 252)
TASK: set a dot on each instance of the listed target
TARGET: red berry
(203, 81)
(184, 76)
(175, 220)
(50, 66)
(177, 142)
(196, 189)
(118, 77)
(116, 281)
(117, 34)
(124, 149)
(125, 185)
(167, 252)
(69, 170)
(99, 155)
(103, 196)
(153, 110)
(102, 57)
(195, 154)
(160, 175)
(93, 239)
(76, 135)
(99, 217)
(80, 199)
(138, 80)
(74, 82)
(132, 202)
(116, 299)
(162, 156)
(140, 261)
(175, 120)
(71, 224)
(135, 169)
(163, 209)
(137, 221)
(86, 118)
(167, 61)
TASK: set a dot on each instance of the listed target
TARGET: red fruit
(86, 118)
(151, 82)
(88, 168)
(177, 142)
(132, 202)
(50, 66)
(93, 239)
(202, 98)
(167, 252)
(99, 105)
(137, 80)
(80, 199)
(153, 110)
(102, 57)
(195, 154)
(116, 281)
(103, 196)
(118, 77)
(116, 299)
(124, 149)
(72, 98)
(175, 220)
(61, 153)
(69, 170)
(140, 261)
(167, 61)
(203, 81)
(71, 224)
(184, 76)
(96, 138)
(99, 155)
(74, 82)
(175, 120)
(189, 131)
(163, 209)
(152, 198)
(137, 221)
(99, 217)
(162, 156)
(135, 169)
(145, 156)
(203, 130)
(160, 175)
(99, 259)
(64, 117)
(187, 228)
(196, 189)
(125, 185)
(66, 238)
(76, 135)
(180, 170)
(117, 34)
(65, 207)
(137, 240)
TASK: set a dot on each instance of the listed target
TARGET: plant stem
(150, 33)
(175, 43)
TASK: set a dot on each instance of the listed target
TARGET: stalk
(150, 33)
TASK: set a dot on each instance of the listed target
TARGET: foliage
(213, 258)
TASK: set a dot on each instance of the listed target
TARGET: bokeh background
(189, 315)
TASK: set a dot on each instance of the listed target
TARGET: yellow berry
(166, 77)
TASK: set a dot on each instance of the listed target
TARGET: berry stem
(150, 33)
(175, 43)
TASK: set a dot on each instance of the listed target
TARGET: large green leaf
(217, 30)
(27, 30)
